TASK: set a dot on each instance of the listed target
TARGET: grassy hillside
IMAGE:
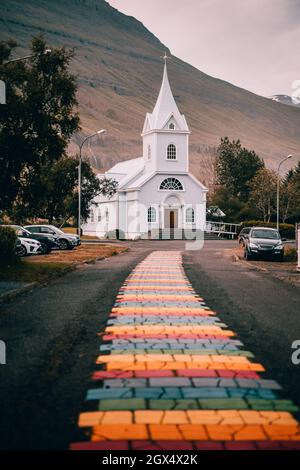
(119, 71)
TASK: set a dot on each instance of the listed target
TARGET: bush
(286, 230)
(290, 254)
(8, 240)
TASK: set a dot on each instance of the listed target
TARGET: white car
(28, 247)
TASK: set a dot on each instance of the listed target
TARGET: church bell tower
(165, 134)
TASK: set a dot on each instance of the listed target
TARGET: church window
(92, 216)
(151, 214)
(171, 152)
(172, 184)
(107, 215)
(149, 152)
(99, 215)
(190, 215)
(171, 125)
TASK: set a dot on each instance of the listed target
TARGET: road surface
(52, 345)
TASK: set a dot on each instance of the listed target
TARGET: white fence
(222, 228)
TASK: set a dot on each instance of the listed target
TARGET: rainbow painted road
(171, 376)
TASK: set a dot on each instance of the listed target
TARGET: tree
(290, 195)
(235, 209)
(263, 188)
(39, 118)
(57, 186)
(236, 166)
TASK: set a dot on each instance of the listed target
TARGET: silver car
(66, 241)
(263, 242)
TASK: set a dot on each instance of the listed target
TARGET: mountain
(119, 67)
(285, 99)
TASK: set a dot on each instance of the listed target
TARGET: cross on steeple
(165, 57)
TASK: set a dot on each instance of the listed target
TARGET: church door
(172, 219)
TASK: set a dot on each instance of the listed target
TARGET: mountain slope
(119, 67)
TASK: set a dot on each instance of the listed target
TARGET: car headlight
(279, 246)
(253, 245)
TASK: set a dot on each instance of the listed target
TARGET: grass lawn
(45, 267)
(80, 254)
(33, 272)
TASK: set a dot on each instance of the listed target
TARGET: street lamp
(278, 187)
(46, 51)
(101, 131)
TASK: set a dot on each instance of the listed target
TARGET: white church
(157, 196)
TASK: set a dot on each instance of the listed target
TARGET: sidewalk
(171, 375)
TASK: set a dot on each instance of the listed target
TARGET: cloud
(251, 43)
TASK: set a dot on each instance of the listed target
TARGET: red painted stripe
(185, 445)
(223, 373)
(165, 336)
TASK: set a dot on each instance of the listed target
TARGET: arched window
(149, 152)
(172, 184)
(190, 215)
(151, 214)
(171, 152)
(99, 215)
(171, 125)
(107, 215)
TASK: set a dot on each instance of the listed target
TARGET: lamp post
(101, 131)
(278, 187)
(19, 59)
(46, 51)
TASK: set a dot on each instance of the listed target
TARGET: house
(157, 196)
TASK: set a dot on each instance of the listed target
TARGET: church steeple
(165, 110)
(165, 134)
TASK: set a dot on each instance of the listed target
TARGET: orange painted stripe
(229, 432)
(220, 417)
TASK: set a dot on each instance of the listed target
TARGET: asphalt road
(52, 343)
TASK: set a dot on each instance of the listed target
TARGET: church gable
(171, 123)
(147, 124)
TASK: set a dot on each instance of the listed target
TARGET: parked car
(48, 242)
(264, 242)
(66, 241)
(243, 235)
(28, 246)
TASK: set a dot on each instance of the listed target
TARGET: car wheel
(22, 251)
(63, 244)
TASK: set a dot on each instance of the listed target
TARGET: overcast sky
(251, 43)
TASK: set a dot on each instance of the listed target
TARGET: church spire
(166, 108)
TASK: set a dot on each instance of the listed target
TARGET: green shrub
(286, 230)
(290, 254)
(8, 240)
